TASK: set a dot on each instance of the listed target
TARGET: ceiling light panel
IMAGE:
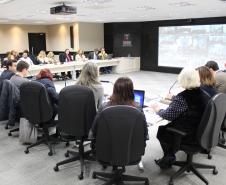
(5, 1)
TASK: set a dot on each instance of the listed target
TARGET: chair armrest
(176, 131)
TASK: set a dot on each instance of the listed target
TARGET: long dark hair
(123, 92)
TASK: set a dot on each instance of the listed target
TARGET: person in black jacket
(45, 77)
(10, 69)
(184, 113)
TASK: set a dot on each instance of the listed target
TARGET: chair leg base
(190, 166)
(118, 178)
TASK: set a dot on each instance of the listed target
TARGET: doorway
(37, 42)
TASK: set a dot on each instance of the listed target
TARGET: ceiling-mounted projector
(63, 10)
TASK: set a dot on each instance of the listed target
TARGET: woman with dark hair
(207, 80)
(122, 95)
(45, 77)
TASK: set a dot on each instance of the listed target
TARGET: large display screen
(192, 46)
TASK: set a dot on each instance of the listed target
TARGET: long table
(71, 66)
(120, 65)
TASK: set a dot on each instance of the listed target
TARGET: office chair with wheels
(76, 113)
(120, 142)
(222, 139)
(37, 109)
(207, 137)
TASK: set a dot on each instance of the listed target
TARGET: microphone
(105, 81)
(172, 86)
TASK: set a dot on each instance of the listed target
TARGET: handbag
(28, 132)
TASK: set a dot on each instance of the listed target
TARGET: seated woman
(122, 95)
(51, 59)
(80, 57)
(45, 77)
(184, 113)
(41, 58)
(207, 81)
(89, 78)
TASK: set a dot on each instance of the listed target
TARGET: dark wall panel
(145, 39)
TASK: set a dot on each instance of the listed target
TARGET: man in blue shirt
(10, 69)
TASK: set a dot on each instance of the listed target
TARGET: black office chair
(120, 142)
(76, 113)
(37, 109)
(207, 137)
(222, 139)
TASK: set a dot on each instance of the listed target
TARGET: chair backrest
(34, 102)
(212, 119)
(62, 57)
(9, 95)
(120, 136)
(76, 110)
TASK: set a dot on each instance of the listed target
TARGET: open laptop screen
(139, 97)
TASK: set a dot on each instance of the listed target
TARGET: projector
(63, 10)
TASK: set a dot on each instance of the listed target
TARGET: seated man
(220, 76)
(94, 54)
(10, 69)
(22, 71)
(26, 58)
(184, 113)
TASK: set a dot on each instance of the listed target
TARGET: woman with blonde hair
(51, 58)
(41, 58)
(89, 78)
(80, 56)
(184, 113)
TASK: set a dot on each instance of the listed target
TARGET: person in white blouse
(80, 56)
(26, 58)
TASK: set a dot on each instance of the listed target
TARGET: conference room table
(71, 66)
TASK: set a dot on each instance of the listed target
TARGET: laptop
(139, 97)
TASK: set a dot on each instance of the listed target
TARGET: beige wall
(91, 36)
(87, 36)
(16, 36)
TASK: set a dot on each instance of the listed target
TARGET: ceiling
(37, 11)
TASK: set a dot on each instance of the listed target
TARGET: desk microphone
(172, 86)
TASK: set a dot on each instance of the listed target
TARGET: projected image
(181, 46)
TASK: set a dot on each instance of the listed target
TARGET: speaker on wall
(72, 36)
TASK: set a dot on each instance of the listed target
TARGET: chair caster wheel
(94, 176)
(56, 169)
(209, 156)
(66, 154)
(26, 151)
(9, 134)
(188, 171)
(67, 144)
(50, 153)
(146, 182)
(171, 182)
(6, 127)
(215, 172)
(80, 176)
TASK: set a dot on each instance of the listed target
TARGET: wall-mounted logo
(127, 40)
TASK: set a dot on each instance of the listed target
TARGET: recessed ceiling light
(39, 22)
(99, 20)
(182, 4)
(5, 1)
